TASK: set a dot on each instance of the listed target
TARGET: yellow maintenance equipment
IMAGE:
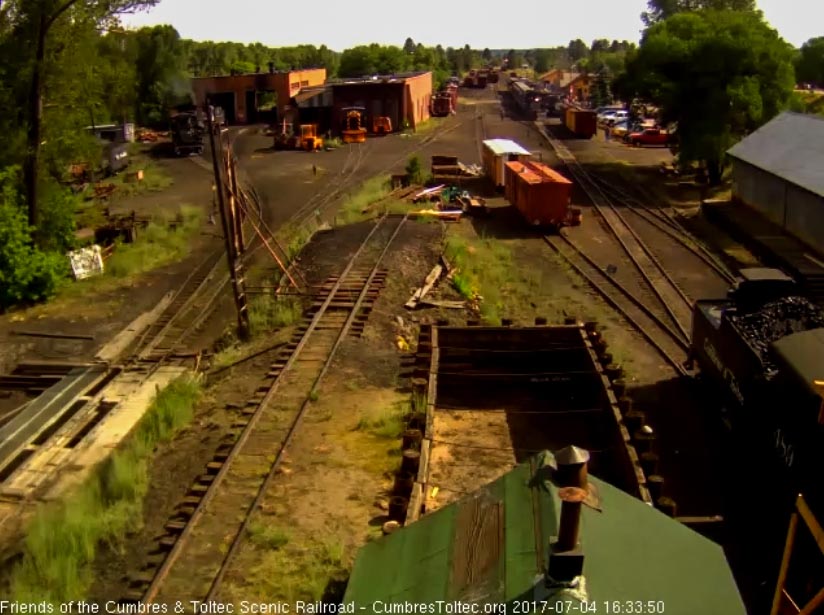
(309, 139)
(353, 130)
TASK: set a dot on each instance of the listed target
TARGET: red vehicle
(650, 136)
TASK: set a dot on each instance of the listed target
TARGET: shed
(496, 152)
(777, 170)
(404, 98)
(492, 547)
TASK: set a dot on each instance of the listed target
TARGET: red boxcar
(539, 193)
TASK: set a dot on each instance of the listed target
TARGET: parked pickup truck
(650, 136)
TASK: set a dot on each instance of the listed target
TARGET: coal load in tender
(774, 321)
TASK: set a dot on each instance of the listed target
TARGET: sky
(519, 24)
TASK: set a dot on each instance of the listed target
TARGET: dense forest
(713, 66)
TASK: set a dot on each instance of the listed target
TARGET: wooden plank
(477, 550)
(413, 512)
(450, 305)
(811, 607)
(785, 564)
(423, 462)
(428, 283)
(811, 521)
(62, 336)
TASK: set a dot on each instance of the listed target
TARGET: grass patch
(387, 423)
(155, 178)
(267, 536)
(356, 207)
(297, 242)
(156, 245)
(228, 356)
(485, 272)
(298, 570)
(267, 312)
(427, 127)
(64, 536)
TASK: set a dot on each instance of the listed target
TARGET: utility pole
(235, 267)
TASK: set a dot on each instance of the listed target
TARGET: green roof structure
(492, 547)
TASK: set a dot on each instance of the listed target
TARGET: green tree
(577, 50)
(658, 10)
(409, 46)
(600, 91)
(161, 78)
(33, 21)
(809, 66)
(27, 275)
(543, 60)
(357, 62)
(486, 54)
(414, 170)
(599, 45)
(717, 74)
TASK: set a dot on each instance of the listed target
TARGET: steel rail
(584, 178)
(677, 365)
(674, 229)
(588, 184)
(624, 291)
(182, 539)
(238, 539)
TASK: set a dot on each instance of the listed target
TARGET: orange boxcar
(539, 193)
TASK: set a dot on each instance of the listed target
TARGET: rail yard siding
(794, 209)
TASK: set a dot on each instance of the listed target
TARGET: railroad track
(205, 534)
(668, 224)
(188, 309)
(658, 332)
(658, 290)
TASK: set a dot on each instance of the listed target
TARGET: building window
(295, 85)
(303, 84)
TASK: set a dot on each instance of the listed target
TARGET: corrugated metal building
(399, 97)
(779, 171)
(502, 544)
(238, 95)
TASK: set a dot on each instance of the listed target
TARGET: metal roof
(492, 545)
(307, 93)
(376, 79)
(790, 146)
(803, 352)
(505, 146)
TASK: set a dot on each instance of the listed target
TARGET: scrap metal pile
(776, 320)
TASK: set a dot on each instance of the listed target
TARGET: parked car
(650, 136)
(611, 117)
(620, 128)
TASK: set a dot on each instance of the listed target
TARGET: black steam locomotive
(763, 349)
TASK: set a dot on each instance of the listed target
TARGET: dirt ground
(689, 439)
(102, 310)
(330, 497)
(175, 467)
(341, 461)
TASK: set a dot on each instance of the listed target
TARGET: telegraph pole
(235, 267)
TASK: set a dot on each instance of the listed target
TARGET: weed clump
(156, 245)
(63, 538)
(484, 272)
(267, 312)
